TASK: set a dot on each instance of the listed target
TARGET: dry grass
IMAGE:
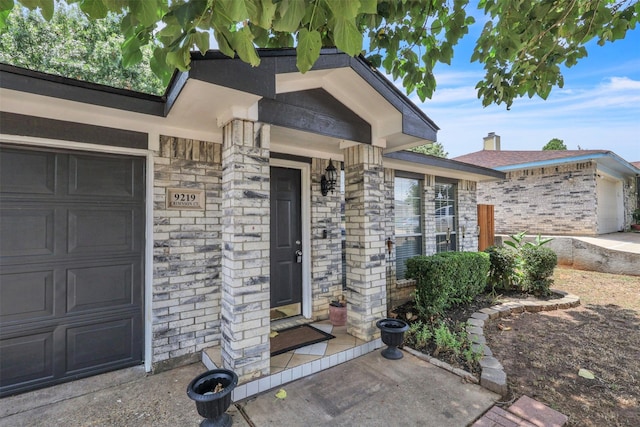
(543, 352)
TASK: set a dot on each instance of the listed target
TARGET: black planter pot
(392, 334)
(210, 405)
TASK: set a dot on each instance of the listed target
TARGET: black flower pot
(210, 405)
(392, 334)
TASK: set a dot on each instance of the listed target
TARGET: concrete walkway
(369, 390)
(624, 242)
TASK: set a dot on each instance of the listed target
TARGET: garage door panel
(103, 177)
(26, 358)
(102, 231)
(105, 286)
(27, 172)
(72, 230)
(100, 344)
(26, 296)
(26, 231)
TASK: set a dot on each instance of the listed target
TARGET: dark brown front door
(71, 265)
(286, 237)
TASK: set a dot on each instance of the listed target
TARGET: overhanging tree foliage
(522, 46)
(75, 47)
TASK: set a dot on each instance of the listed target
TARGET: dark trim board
(23, 80)
(426, 160)
(22, 125)
(291, 157)
(314, 111)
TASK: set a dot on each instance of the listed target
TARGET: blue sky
(598, 108)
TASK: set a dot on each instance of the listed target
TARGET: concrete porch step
(526, 412)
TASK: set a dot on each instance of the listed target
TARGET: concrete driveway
(369, 390)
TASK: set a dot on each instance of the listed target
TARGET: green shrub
(502, 270)
(447, 279)
(537, 268)
(446, 340)
(418, 335)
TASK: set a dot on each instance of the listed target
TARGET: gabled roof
(218, 87)
(636, 164)
(508, 160)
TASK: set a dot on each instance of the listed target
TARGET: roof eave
(482, 173)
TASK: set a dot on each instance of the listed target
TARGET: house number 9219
(182, 197)
(185, 198)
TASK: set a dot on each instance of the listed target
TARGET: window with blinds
(445, 216)
(408, 221)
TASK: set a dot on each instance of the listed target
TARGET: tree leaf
(47, 8)
(148, 12)
(242, 43)
(291, 13)
(308, 49)
(368, 6)
(201, 40)
(261, 12)
(346, 36)
(236, 10)
(223, 37)
(584, 373)
(95, 9)
(131, 57)
(4, 14)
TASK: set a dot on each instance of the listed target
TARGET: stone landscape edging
(492, 376)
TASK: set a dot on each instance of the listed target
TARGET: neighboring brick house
(142, 229)
(557, 192)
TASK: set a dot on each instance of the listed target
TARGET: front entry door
(286, 240)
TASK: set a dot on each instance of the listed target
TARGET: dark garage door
(71, 265)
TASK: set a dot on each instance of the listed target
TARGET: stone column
(245, 250)
(467, 216)
(365, 239)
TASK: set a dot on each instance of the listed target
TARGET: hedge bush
(447, 279)
(538, 263)
(502, 272)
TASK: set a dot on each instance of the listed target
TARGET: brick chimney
(492, 142)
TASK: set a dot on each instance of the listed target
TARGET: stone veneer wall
(552, 200)
(326, 253)
(467, 216)
(186, 262)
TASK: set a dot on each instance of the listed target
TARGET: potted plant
(636, 220)
(338, 312)
(212, 393)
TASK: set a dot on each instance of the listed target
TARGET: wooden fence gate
(486, 236)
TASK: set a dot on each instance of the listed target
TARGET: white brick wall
(554, 200)
(186, 267)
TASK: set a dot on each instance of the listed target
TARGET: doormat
(296, 337)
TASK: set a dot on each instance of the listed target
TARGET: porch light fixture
(328, 180)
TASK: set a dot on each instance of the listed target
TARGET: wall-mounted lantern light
(328, 180)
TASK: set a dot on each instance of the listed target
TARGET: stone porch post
(365, 239)
(245, 248)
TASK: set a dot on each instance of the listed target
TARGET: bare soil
(543, 352)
